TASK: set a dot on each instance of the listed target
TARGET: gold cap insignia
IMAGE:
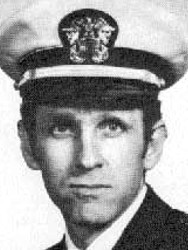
(88, 34)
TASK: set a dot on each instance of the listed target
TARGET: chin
(92, 214)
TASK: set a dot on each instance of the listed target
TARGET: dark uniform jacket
(155, 226)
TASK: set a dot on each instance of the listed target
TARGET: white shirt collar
(110, 236)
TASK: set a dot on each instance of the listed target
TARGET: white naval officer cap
(140, 45)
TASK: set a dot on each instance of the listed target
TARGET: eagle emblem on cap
(88, 35)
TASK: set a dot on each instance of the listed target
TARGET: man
(89, 74)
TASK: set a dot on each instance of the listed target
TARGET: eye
(113, 127)
(62, 129)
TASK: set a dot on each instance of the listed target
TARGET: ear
(26, 148)
(155, 146)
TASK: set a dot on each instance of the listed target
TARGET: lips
(88, 192)
(89, 186)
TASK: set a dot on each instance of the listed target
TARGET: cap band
(91, 71)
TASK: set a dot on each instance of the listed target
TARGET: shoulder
(174, 234)
(177, 225)
(164, 228)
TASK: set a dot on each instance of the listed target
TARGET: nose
(89, 155)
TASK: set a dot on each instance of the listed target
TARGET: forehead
(49, 111)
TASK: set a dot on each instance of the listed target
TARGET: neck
(83, 234)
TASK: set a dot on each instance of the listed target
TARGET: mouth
(87, 192)
(89, 186)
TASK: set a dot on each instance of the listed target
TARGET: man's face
(91, 161)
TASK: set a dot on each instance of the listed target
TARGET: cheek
(56, 160)
(123, 150)
(56, 156)
(125, 162)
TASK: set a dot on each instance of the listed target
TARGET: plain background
(29, 220)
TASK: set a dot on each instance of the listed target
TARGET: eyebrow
(62, 116)
(49, 118)
(68, 115)
(113, 114)
(116, 118)
(51, 115)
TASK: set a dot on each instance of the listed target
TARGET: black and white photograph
(94, 125)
